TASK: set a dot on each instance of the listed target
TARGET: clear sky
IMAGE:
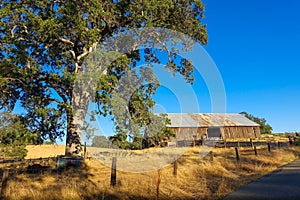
(256, 47)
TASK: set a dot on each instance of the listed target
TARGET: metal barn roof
(208, 120)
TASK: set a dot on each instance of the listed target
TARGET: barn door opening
(214, 133)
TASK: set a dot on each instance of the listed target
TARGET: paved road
(283, 184)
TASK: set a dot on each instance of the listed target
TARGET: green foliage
(48, 142)
(265, 128)
(101, 141)
(44, 43)
(120, 139)
(14, 132)
(14, 136)
(160, 138)
(156, 133)
(297, 142)
(12, 151)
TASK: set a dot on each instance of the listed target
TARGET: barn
(212, 126)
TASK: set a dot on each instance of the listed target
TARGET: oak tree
(43, 45)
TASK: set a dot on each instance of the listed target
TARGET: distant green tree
(154, 134)
(120, 139)
(158, 133)
(14, 136)
(297, 142)
(14, 132)
(265, 128)
(100, 141)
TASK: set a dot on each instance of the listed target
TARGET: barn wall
(227, 132)
(240, 132)
(185, 133)
(201, 132)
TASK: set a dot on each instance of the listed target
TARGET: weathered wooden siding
(185, 133)
(227, 132)
(201, 132)
(240, 132)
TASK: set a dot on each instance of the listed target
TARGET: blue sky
(255, 46)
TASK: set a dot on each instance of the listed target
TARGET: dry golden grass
(44, 151)
(197, 177)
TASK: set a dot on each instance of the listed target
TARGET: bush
(297, 141)
(11, 151)
(14, 136)
(101, 141)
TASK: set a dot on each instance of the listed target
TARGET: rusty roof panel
(209, 120)
(182, 120)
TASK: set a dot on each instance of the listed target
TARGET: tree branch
(12, 31)
(67, 41)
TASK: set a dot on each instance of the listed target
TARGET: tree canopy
(265, 128)
(43, 45)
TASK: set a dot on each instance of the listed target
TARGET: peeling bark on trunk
(82, 94)
(74, 130)
(73, 141)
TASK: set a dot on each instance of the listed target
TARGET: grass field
(197, 178)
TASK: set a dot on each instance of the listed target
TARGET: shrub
(12, 151)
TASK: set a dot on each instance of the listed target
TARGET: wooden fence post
(237, 154)
(269, 146)
(4, 183)
(113, 177)
(225, 143)
(279, 145)
(175, 165)
(158, 183)
(255, 151)
(211, 156)
(84, 150)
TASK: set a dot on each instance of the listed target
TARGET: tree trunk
(73, 141)
(82, 92)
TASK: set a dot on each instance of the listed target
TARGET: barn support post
(194, 140)
(251, 141)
